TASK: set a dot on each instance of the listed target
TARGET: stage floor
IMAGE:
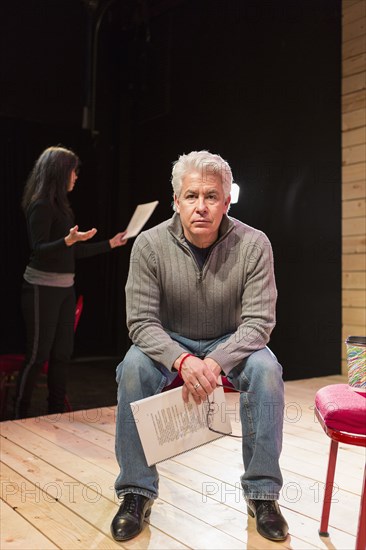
(57, 476)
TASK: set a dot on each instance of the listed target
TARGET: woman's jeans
(261, 415)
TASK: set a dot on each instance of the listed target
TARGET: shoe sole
(250, 512)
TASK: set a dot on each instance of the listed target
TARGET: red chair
(342, 415)
(11, 363)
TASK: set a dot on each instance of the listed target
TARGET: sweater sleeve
(143, 306)
(86, 250)
(258, 308)
(39, 225)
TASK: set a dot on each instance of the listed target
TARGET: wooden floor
(57, 476)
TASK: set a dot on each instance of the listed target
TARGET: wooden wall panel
(354, 64)
(352, 11)
(354, 190)
(354, 245)
(354, 101)
(353, 83)
(354, 262)
(354, 209)
(353, 171)
(354, 137)
(354, 298)
(353, 119)
(354, 226)
(354, 29)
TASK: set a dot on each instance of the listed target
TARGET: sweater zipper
(200, 271)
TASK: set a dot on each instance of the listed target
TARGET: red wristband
(181, 364)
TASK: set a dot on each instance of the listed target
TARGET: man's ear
(176, 202)
(227, 203)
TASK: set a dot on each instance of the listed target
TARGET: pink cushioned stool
(342, 415)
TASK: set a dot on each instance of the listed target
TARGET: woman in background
(48, 297)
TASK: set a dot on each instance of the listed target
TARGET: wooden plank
(354, 154)
(354, 173)
(354, 101)
(354, 83)
(354, 298)
(353, 12)
(346, 4)
(232, 517)
(68, 442)
(353, 226)
(222, 515)
(353, 47)
(64, 528)
(53, 485)
(353, 262)
(58, 454)
(86, 508)
(353, 280)
(354, 209)
(232, 496)
(354, 137)
(354, 316)
(298, 457)
(353, 245)
(294, 460)
(201, 503)
(46, 441)
(354, 29)
(85, 427)
(296, 488)
(18, 534)
(354, 190)
(353, 119)
(353, 65)
(102, 480)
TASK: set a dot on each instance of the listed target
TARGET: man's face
(201, 206)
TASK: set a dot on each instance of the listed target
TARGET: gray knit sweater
(234, 293)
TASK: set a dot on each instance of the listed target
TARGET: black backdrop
(256, 81)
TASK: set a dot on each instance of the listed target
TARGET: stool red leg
(361, 530)
(323, 531)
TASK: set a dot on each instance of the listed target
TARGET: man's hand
(75, 235)
(199, 377)
(215, 367)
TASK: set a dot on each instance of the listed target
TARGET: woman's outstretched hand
(75, 235)
(118, 240)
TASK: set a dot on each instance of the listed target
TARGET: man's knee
(137, 369)
(264, 373)
(266, 361)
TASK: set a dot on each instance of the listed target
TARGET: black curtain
(256, 81)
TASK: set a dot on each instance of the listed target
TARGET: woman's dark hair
(50, 178)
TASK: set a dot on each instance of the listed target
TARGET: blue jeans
(261, 415)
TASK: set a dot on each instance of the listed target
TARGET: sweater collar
(176, 229)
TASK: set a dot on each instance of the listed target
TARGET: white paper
(140, 216)
(168, 427)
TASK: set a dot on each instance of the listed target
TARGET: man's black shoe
(270, 522)
(129, 520)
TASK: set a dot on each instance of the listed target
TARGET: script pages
(168, 427)
(140, 216)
